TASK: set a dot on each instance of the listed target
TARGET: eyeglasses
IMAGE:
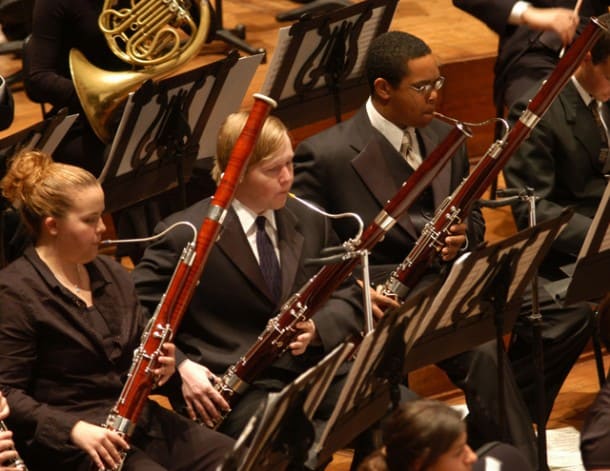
(426, 88)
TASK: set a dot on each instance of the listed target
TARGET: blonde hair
(39, 187)
(270, 140)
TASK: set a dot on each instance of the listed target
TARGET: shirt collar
(247, 217)
(389, 130)
(584, 95)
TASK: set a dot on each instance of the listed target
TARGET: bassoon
(17, 462)
(281, 329)
(457, 206)
(173, 304)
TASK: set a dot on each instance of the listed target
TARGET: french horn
(154, 36)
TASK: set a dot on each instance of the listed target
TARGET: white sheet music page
(600, 215)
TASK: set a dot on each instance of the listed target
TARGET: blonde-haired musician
(233, 300)
(69, 324)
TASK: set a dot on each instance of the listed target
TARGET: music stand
(166, 127)
(236, 36)
(483, 288)
(281, 432)
(318, 62)
(588, 281)
(312, 8)
(44, 135)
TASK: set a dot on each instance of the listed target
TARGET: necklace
(76, 287)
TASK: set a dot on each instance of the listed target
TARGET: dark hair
(601, 49)
(388, 55)
(418, 432)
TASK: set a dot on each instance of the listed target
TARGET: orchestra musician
(69, 324)
(332, 170)
(531, 35)
(233, 301)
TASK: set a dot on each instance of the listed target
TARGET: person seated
(595, 433)
(69, 324)
(264, 231)
(428, 435)
(422, 435)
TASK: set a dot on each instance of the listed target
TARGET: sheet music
(58, 133)
(236, 85)
(283, 40)
(345, 392)
(314, 382)
(527, 259)
(601, 215)
(150, 118)
(313, 43)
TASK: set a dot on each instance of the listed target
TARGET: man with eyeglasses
(359, 164)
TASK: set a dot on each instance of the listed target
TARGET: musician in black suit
(357, 165)
(233, 302)
(564, 160)
(531, 36)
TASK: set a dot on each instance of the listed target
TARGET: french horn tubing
(154, 36)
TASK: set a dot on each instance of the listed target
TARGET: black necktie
(267, 259)
(603, 151)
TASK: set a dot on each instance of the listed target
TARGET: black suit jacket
(352, 167)
(560, 161)
(521, 50)
(231, 305)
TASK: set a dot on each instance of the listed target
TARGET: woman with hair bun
(69, 324)
(422, 435)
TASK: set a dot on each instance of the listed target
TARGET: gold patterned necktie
(603, 151)
(406, 149)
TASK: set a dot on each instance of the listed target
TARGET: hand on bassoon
(104, 446)
(307, 334)
(7, 449)
(167, 364)
(202, 399)
(454, 242)
(379, 302)
(4, 410)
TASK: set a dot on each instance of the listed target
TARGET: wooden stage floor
(465, 48)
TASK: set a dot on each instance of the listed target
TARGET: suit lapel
(234, 244)
(442, 182)
(580, 117)
(291, 246)
(382, 171)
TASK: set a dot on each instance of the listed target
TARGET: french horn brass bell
(151, 37)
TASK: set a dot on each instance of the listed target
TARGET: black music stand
(167, 128)
(318, 62)
(282, 431)
(44, 136)
(589, 280)
(235, 37)
(483, 290)
(312, 8)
